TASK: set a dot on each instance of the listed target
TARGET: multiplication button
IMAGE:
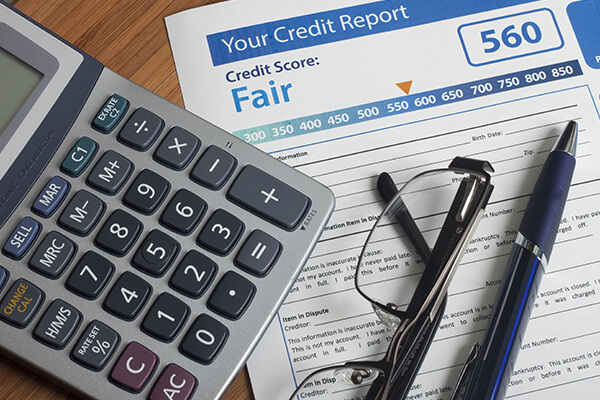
(177, 148)
(95, 346)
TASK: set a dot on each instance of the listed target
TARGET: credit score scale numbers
(414, 102)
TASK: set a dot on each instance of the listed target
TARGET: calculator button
(110, 173)
(119, 233)
(269, 197)
(20, 303)
(174, 383)
(147, 192)
(21, 238)
(221, 232)
(50, 196)
(141, 129)
(166, 317)
(194, 274)
(258, 253)
(79, 157)
(213, 168)
(232, 295)
(184, 212)
(177, 148)
(128, 296)
(95, 346)
(204, 340)
(134, 367)
(156, 253)
(3, 277)
(58, 324)
(81, 213)
(111, 113)
(52, 255)
(90, 276)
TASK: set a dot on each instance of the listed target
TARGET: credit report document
(345, 90)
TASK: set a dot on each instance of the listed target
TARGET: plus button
(269, 196)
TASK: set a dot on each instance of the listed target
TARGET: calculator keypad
(117, 227)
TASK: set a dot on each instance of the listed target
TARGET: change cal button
(20, 303)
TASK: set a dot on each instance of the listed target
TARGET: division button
(174, 383)
(232, 295)
(134, 368)
(58, 324)
(111, 113)
(268, 197)
(141, 129)
(95, 346)
(21, 238)
(50, 196)
(204, 340)
(20, 303)
(177, 148)
(52, 255)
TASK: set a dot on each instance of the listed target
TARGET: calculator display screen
(17, 81)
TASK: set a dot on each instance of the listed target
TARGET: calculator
(144, 250)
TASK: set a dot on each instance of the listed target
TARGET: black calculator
(144, 250)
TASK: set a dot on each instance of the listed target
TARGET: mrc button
(20, 303)
(111, 113)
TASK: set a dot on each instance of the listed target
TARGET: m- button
(268, 197)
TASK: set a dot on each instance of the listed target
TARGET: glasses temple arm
(387, 190)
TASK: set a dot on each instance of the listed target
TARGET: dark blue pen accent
(524, 271)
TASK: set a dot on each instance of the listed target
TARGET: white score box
(512, 36)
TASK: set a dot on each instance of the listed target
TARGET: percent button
(95, 346)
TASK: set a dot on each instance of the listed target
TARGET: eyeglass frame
(398, 368)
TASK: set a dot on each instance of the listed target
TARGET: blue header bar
(341, 24)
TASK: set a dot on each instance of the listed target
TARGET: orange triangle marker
(405, 86)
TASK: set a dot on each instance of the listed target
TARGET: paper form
(343, 91)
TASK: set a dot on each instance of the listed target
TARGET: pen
(526, 264)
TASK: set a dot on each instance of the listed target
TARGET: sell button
(111, 113)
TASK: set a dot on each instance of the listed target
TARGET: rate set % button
(95, 346)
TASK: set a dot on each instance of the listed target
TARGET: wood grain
(129, 37)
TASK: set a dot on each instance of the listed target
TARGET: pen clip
(465, 374)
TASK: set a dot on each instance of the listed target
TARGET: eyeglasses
(404, 270)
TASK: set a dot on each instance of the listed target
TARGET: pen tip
(567, 141)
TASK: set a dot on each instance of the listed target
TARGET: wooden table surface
(129, 37)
